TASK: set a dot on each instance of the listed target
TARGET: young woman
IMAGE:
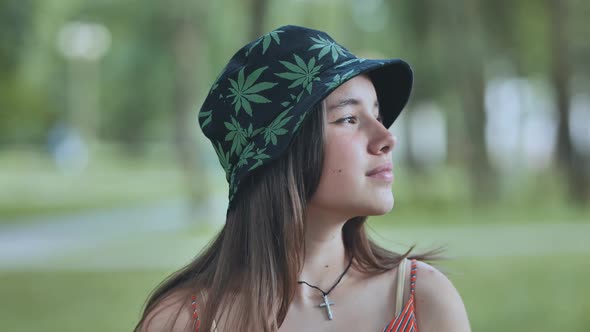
(300, 127)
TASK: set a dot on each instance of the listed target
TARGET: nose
(382, 140)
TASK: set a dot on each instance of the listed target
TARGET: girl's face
(356, 144)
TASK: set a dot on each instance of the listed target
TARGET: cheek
(342, 172)
(341, 159)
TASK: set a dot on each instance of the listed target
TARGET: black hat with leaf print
(258, 102)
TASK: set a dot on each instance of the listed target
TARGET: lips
(385, 168)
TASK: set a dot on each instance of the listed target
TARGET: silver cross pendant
(327, 304)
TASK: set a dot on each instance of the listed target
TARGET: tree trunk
(570, 160)
(185, 56)
(259, 10)
(419, 18)
(484, 186)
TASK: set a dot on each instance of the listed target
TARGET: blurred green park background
(107, 184)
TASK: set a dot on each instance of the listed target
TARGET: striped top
(405, 321)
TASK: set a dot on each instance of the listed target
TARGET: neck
(325, 256)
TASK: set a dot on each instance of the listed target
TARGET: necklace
(327, 302)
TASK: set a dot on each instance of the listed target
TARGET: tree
(259, 10)
(472, 91)
(570, 160)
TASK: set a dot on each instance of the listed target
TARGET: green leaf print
(299, 122)
(223, 159)
(233, 187)
(289, 103)
(237, 135)
(266, 40)
(327, 47)
(247, 153)
(301, 73)
(245, 91)
(207, 116)
(251, 133)
(347, 62)
(337, 79)
(259, 157)
(276, 128)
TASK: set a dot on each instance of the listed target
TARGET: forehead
(358, 92)
(360, 88)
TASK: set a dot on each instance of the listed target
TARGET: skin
(356, 142)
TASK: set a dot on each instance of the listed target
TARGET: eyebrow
(350, 101)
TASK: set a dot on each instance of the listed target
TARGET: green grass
(33, 186)
(73, 301)
(525, 293)
(541, 294)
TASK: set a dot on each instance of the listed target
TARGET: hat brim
(393, 85)
(392, 79)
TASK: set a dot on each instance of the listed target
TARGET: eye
(348, 119)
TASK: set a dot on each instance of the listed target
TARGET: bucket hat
(258, 102)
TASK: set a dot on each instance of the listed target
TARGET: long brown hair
(250, 269)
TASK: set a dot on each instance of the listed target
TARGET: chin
(382, 211)
(380, 208)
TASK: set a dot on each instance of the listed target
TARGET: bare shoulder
(173, 313)
(439, 306)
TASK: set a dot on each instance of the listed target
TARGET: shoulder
(439, 306)
(173, 313)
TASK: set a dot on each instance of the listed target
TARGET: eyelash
(347, 118)
(379, 118)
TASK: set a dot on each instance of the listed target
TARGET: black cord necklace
(327, 302)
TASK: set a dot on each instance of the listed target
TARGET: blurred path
(38, 243)
(159, 236)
